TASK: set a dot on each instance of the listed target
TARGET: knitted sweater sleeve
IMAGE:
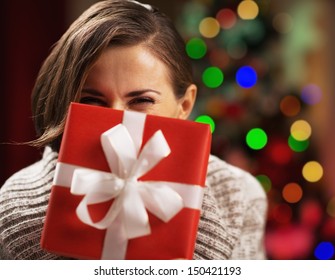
(23, 202)
(233, 215)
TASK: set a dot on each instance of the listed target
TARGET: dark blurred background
(265, 75)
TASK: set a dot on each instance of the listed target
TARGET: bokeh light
(196, 48)
(219, 58)
(289, 242)
(207, 120)
(311, 213)
(324, 251)
(292, 192)
(246, 76)
(311, 94)
(265, 181)
(226, 18)
(209, 27)
(273, 114)
(212, 77)
(260, 66)
(297, 146)
(253, 31)
(256, 138)
(234, 111)
(331, 207)
(237, 49)
(191, 14)
(215, 107)
(328, 228)
(290, 106)
(301, 130)
(282, 213)
(312, 171)
(247, 10)
(283, 23)
(280, 152)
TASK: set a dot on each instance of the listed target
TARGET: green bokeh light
(256, 138)
(212, 77)
(297, 146)
(196, 48)
(265, 182)
(207, 120)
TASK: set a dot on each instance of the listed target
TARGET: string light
(290, 106)
(234, 47)
(247, 10)
(297, 146)
(301, 130)
(312, 171)
(196, 48)
(265, 181)
(311, 213)
(226, 18)
(280, 152)
(246, 77)
(311, 94)
(207, 120)
(256, 139)
(209, 27)
(292, 192)
(212, 77)
(324, 251)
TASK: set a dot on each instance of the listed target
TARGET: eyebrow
(129, 94)
(92, 91)
(140, 92)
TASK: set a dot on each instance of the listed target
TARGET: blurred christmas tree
(249, 66)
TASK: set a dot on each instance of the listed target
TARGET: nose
(117, 105)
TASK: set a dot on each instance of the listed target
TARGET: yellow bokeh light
(292, 192)
(209, 27)
(247, 10)
(312, 171)
(301, 130)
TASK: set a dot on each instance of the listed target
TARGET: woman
(125, 55)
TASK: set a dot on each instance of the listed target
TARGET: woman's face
(131, 78)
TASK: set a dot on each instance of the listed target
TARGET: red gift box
(88, 218)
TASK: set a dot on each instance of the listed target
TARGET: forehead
(131, 56)
(129, 63)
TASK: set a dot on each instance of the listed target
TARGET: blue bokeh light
(324, 251)
(246, 77)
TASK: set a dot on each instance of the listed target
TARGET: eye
(143, 100)
(90, 100)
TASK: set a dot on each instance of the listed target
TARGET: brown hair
(106, 23)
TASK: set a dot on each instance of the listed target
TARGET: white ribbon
(127, 217)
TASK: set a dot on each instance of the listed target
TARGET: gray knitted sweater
(231, 226)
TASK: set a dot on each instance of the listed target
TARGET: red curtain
(28, 31)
